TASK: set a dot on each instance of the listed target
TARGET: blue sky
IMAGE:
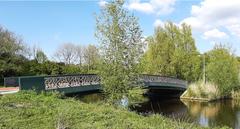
(48, 24)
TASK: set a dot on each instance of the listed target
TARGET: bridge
(90, 82)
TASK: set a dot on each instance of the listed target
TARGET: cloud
(158, 23)
(212, 14)
(214, 33)
(159, 7)
(102, 3)
(142, 7)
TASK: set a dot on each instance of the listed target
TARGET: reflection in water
(224, 112)
(219, 113)
(203, 121)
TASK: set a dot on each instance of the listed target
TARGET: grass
(48, 111)
(201, 91)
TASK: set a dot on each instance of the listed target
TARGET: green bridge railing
(11, 81)
(85, 82)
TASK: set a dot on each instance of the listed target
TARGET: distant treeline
(18, 59)
(171, 51)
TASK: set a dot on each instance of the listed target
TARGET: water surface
(208, 114)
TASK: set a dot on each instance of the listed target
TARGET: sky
(48, 24)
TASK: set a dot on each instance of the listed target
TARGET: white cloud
(158, 23)
(159, 7)
(214, 33)
(142, 7)
(211, 14)
(235, 29)
(102, 3)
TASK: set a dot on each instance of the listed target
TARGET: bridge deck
(88, 82)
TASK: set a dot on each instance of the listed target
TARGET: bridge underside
(156, 89)
(159, 91)
(164, 92)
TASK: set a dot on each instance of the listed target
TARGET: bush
(222, 69)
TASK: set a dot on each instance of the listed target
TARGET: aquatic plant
(202, 90)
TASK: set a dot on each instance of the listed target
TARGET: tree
(40, 56)
(172, 52)
(186, 58)
(222, 69)
(80, 54)
(91, 57)
(121, 48)
(66, 53)
(11, 60)
(9, 43)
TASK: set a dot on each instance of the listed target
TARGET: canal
(207, 114)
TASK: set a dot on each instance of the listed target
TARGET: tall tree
(186, 58)
(11, 59)
(120, 37)
(80, 54)
(91, 57)
(66, 53)
(9, 42)
(172, 52)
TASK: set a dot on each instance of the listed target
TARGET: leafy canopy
(121, 41)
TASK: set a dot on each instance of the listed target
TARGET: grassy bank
(49, 111)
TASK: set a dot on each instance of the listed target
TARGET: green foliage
(222, 69)
(72, 69)
(45, 68)
(91, 57)
(40, 56)
(11, 60)
(121, 47)
(9, 42)
(47, 111)
(172, 52)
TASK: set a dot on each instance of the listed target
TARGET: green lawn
(27, 110)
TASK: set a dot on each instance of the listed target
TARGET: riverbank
(201, 91)
(206, 92)
(29, 110)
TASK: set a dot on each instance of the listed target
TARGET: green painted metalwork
(90, 82)
(11, 81)
(32, 83)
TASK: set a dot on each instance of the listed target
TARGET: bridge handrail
(164, 79)
(54, 82)
(11, 81)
